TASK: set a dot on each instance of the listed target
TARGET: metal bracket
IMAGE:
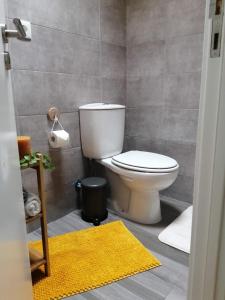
(20, 32)
(216, 36)
(53, 113)
(216, 8)
(7, 60)
(216, 13)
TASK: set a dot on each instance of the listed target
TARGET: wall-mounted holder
(22, 31)
(53, 113)
(57, 137)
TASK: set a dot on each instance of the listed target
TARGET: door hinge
(7, 60)
(216, 13)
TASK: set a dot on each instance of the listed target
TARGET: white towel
(178, 233)
(32, 205)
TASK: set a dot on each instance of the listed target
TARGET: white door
(207, 259)
(15, 281)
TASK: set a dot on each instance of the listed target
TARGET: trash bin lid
(93, 182)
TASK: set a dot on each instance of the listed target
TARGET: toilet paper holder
(57, 138)
(53, 113)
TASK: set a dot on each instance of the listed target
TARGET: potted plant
(30, 160)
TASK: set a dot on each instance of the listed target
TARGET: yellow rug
(90, 258)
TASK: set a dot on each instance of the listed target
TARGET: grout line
(45, 114)
(65, 149)
(74, 33)
(69, 74)
(166, 41)
(165, 72)
(126, 43)
(160, 106)
(100, 65)
(57, 73)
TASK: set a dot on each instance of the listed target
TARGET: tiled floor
(167, 282)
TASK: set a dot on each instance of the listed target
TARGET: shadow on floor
(37, 276)
(169, 213)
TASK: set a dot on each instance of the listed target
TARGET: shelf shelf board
(37, 259)
(36, 264)
(30, 167)
(31, 219)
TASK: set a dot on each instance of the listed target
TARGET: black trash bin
(94, 200)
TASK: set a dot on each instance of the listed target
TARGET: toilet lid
(145, 161)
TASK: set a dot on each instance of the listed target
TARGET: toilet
(135, 177)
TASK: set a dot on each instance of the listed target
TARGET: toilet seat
(146, 162)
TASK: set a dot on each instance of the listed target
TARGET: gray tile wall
(164, 52)
(77, 56)
(144, 52)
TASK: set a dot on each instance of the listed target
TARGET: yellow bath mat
(90, 258)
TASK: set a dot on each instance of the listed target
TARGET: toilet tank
(102, 129)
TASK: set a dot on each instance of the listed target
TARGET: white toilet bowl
(135, 178)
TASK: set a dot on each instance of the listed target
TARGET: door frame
(208, 213)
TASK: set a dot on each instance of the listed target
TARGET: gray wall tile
(139, 31)
(146, 59)
(88, 16)
(113, 22)
(113, 60)
(35, 92)
(65, 192)
(180, 124)
(60, 201)
(185, 24)
(182, 7)
(75, 16)
(114, 90)
(145, 91)
(151, 20)
(145, 20)
(88, 57)
(153, 122)
(154, 8)
(68, 169)
(57, 51)
(164, 55)
(47, 13)
(144, 122)
(118, 4)
(184, 54)
(35, 126)
(182, 90)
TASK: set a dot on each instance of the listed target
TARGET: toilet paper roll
(58, 138)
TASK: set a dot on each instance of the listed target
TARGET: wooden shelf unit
(37, 259)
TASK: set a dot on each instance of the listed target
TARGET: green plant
(30, 160)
